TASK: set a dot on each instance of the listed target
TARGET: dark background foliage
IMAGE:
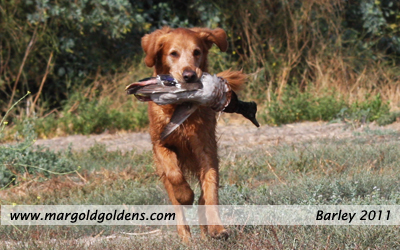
(281, 42)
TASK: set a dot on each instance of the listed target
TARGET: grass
(362, 169)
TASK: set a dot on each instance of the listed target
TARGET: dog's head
(181, 52)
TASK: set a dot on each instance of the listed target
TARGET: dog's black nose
(189, 76)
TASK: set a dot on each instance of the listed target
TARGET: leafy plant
(366, 111)
(24, 161)
(388, 118)
(296, 105)
(21, 160)
(90, 117)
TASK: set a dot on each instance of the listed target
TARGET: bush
(388, 118)
(371, 109)
(94, 116)
(90, 117)
(297, 106)
(84, 37)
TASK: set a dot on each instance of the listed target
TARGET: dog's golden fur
(192, 147)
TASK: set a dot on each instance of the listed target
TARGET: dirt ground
(235, 136)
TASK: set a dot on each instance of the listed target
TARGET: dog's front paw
(218, 232)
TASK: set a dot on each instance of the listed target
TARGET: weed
(367, 111)
(21, 160)
(388, 118)
(94, 116)
(88, 117)
(295, 105)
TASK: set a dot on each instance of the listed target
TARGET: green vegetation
(92, 116)
(22, 161)
(331, 55)
(295, 105)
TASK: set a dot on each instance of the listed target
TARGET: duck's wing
(181, 113)
(163, 90)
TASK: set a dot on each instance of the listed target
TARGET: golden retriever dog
(192, 147)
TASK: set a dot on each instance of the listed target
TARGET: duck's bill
(133, 89)
(251, 113)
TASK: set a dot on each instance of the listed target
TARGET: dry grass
(113, 86)
(38, 187)
(286, 43)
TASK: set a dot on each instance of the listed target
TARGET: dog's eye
(196, 52)
(174, 54)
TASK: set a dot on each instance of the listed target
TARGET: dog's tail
(236, 79)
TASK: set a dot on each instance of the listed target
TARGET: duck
(209, 90)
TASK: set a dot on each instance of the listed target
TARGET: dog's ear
(152, 44)
(217, 36)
